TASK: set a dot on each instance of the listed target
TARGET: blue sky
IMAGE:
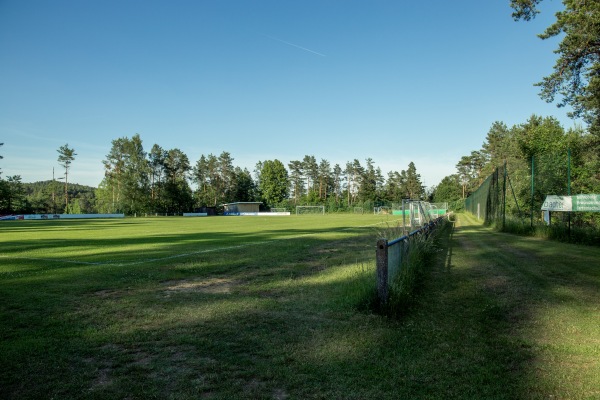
(395, 81)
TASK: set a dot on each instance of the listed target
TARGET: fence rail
(393, 254)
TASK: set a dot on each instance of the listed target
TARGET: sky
(392, 80)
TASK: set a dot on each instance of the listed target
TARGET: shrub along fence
(393, 256)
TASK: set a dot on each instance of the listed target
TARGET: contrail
(295, 45)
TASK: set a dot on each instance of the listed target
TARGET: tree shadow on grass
(278, 331)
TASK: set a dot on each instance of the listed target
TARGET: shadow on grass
(274, 328)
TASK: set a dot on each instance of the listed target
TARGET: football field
(148, 307)
(278, 308)
(136, 241)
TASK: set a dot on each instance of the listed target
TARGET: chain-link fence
(512, 197)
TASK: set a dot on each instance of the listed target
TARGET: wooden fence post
(382, 270)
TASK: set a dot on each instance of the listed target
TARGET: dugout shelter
(241, 208)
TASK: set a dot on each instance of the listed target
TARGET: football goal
(301, 210)
(382, 210)
(358, 210)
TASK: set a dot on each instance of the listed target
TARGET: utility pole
(53, 194)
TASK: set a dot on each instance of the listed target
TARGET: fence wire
(516, 193)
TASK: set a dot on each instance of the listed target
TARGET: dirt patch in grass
(107, 293)
(207, 286)
(103, 373)
(280, 394)
(497, 284)
(465, 243)
(517, 253)
(102, 379)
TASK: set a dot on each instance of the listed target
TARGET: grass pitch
(269, 307)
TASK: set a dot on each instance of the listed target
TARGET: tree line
(539, 154)
(162, 181)
(165, 181)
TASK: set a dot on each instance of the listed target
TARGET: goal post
(382, 210)
(303, 210)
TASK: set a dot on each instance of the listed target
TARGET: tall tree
(311, 173)
(206, 175)
(368, 182)
(495, 146)
(448, 190)
(576, 76)
(539, 135)
(12, 195)
(126, 177)
(464, 173)
(478, 161)
(414, 187)
(217, 179)
(200, 178)
(337, 181)
(114, 166)
(156, 162)
(324, 179)
(243, 188)
(66, 156)
(137, 173)
(296, 180)
(395, 186)
(352, 174)
(226, 177)
(178, 194)
(274, 182)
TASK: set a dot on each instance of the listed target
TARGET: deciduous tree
(274, 182)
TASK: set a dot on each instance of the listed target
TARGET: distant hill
(49, 196)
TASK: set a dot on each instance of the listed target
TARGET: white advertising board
(557, 203)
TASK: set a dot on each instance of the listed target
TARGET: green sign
(579, 202)
(586, 202)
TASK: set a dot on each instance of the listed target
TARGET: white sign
(558, 203)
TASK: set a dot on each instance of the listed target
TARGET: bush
(558, 230)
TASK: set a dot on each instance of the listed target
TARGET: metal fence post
(382, 270)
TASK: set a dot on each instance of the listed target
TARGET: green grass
(273, 308)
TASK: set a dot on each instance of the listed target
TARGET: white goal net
(382, 210)
(300, 210)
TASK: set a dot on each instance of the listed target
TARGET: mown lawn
(236, 308)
